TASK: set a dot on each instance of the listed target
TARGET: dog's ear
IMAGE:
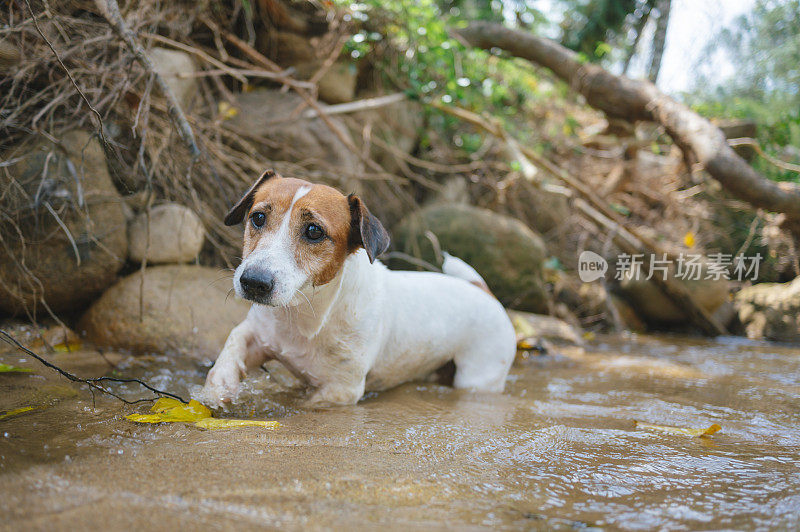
(365, 230)
(236, 214)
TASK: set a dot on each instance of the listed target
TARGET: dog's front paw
(222, 387)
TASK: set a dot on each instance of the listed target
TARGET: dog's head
(297, 236)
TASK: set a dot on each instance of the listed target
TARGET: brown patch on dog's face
(322, 208)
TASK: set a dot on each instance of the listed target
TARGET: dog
(339, 319)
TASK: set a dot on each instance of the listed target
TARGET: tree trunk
(659, 40)
(631, 100)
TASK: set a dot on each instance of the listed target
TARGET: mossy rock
(502, 249)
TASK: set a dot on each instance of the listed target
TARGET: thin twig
(66, 231)
(196, 51)
(359, 105)
(92, 383)
(111, 11)
(69, 75)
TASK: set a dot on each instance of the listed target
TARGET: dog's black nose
(256, 284)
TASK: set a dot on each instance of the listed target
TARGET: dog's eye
(258, 219)
(314, 233)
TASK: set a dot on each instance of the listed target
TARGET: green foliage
(408, 40)
(595, 28)
(764, 45)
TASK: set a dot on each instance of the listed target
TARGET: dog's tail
(458, 268)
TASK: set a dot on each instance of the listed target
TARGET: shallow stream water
(559, 450)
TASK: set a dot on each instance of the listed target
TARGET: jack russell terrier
(339, 319)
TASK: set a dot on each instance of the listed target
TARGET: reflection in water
(558, 450)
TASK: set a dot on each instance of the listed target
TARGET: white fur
(277, 251)
(371, 328)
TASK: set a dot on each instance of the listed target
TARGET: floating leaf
(697, 433)
(168, 410)
(213, 423)
(5, 368)
(689, 240)
(16, 412)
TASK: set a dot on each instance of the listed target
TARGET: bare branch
(640, 100)
(110, 10)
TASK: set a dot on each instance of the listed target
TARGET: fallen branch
(110, 10)
(633, 100)
(359, 105)
(92, 383)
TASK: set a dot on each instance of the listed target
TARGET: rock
(288, 48)
(657, 308)
(337, 84)
(771, 311)
(502, 249)
(627, 315)
(9, 56)
(171, 63)
(545, 212)
(535, 327)
(77, 187)
(268, 113)
(187, 310)
(305, 18)
(176, 235)
(397, 125)
(738, 128)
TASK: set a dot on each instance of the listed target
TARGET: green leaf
(5, 368)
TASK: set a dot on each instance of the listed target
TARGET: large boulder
(658, 309)
(169, 234)
(336, 85)
(502, 249)
(186, 310)
(771, 311)
(9, 56)
(69, 216)
(271, 114)
(532, 328)
(176, 68)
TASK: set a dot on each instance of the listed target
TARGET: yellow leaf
(688, 239)
(226, 110)
(697, 433)
(16, 412)
(525, 344)
(169, 410)
(68, 347)
(522, 327)
(215, 424)
(5, 368)
(589, 335)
